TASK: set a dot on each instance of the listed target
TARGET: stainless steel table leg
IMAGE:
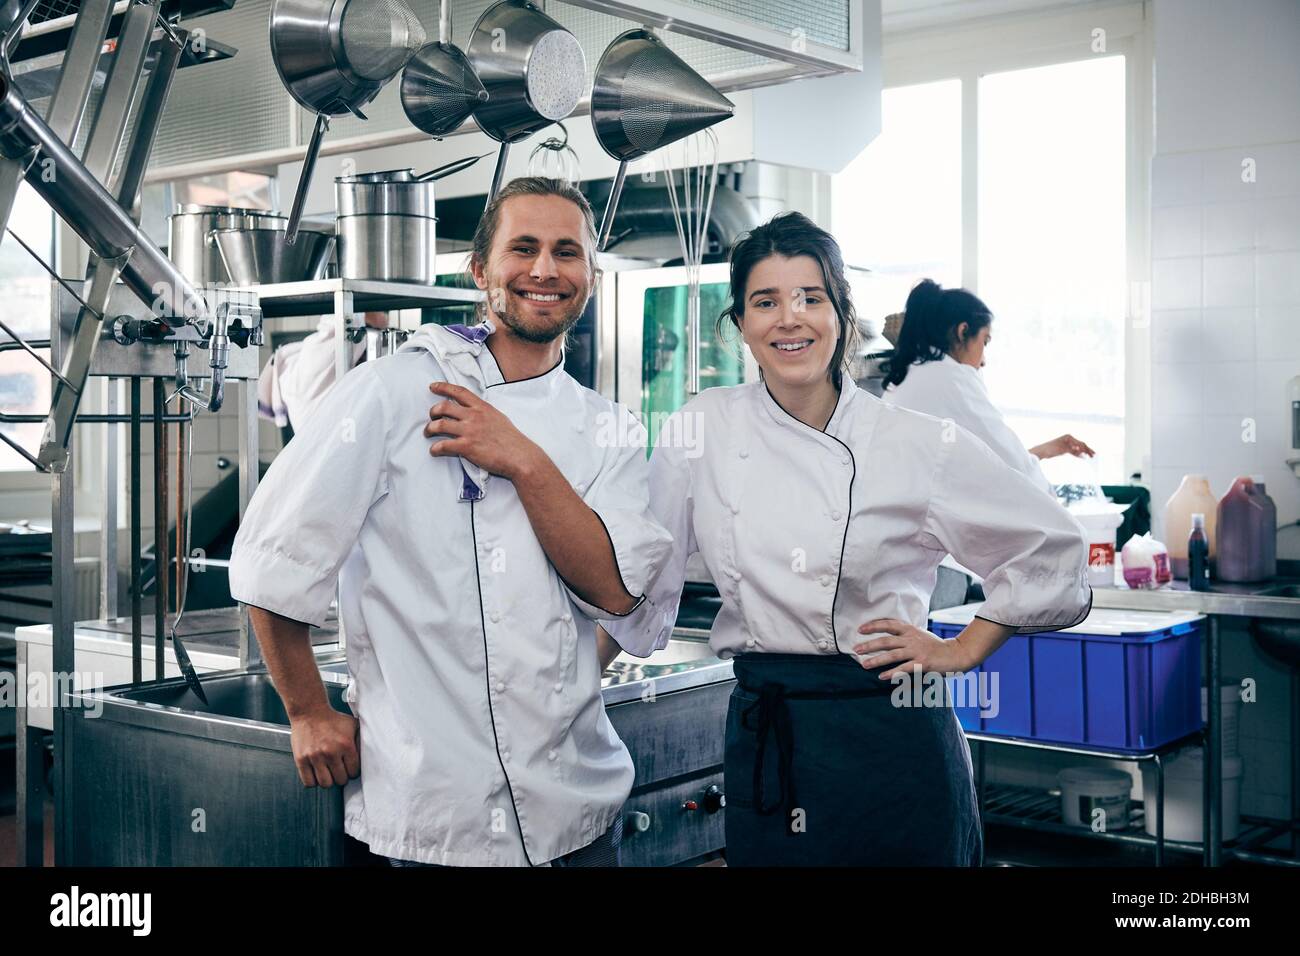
(29, 786)
(1212, 781)
(1160, 810)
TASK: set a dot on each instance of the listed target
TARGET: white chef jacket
(300, 374)
(474, 672)
(946, 388)
(811, 534)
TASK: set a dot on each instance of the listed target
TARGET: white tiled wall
(1225, 296)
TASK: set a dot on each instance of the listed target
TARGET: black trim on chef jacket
(1046, 627)
(848, 514)
(487, 673)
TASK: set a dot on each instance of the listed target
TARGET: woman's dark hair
(930, 325)
(794, 234)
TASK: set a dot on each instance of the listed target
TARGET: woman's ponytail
(930, 326)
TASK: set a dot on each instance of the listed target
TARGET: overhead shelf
(318, 297)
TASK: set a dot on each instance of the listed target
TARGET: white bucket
(1095, 794)
(1099, 527)
(1229, 716)
(1183, 804)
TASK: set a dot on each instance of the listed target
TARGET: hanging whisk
(696, 157)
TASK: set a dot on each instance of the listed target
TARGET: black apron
(823, 769)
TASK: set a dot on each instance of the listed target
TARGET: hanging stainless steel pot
(334, 56)
(533, 69)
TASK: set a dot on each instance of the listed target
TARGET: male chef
(479, 519)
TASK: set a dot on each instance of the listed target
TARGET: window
(1052, 263)
(25, 309)
(1006, 169)
(898, 205)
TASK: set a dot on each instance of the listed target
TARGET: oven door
(652, 350)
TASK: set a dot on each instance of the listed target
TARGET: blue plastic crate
(1121, 680)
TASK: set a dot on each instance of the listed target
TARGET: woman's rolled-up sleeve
(650, 625)
(1032, 554)
(308, 510)
(619, 497)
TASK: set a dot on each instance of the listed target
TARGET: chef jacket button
(501, 687)
(750, 642)
(505, 755)
(836, 516)
(735, 575)
(566, 617)
(551, 755)
(735, 509)
(495, 617)
(845, 460)
(824, 644)
(744, 453)
(580, 487)
(559, 687)
(826, 580)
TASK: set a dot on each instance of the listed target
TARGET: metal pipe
(136, 649)
(152, 103)
(160, 490)
(82, 202)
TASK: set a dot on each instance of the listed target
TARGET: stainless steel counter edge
(247, 732)
(1205, 602)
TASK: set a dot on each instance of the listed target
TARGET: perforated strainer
(534, 71)
(645, 97)
(334, 56)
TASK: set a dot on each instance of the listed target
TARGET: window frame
(1023, 41)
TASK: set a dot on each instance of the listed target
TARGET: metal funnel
(440, 89)
(644, 97)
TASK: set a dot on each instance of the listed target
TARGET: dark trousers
(823, 768)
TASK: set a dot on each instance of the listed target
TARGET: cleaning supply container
(1121, 680)
(1087, 790)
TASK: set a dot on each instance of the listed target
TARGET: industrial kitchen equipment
(534, 79)
(334, 58)
(439, 86)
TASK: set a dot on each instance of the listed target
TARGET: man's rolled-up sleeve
(620, 498)
(996, 521)
(308, 510)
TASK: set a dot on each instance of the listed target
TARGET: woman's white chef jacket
(810, 534)
(946, 388)
(473, 667)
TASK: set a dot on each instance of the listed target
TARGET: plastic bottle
(1193, 496)
(1242, 516)
(1198, 555)
(1268, 530)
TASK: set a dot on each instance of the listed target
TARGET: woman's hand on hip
(903, 644)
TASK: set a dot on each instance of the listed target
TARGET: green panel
(664, 355)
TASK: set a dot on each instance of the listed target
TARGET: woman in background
(935, 370)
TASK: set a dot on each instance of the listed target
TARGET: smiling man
(478, 528)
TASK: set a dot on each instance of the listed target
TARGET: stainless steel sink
(160, 779)
(247, 697)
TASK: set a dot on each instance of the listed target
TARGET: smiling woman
(822, 514)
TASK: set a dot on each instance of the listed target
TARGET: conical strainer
(439, 86)
(645, 97)
(335, 57)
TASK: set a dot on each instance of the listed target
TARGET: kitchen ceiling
(900, 15)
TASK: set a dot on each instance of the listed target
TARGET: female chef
(935, 369)
(821, 514)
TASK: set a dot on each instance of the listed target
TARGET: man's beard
(562, 322)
